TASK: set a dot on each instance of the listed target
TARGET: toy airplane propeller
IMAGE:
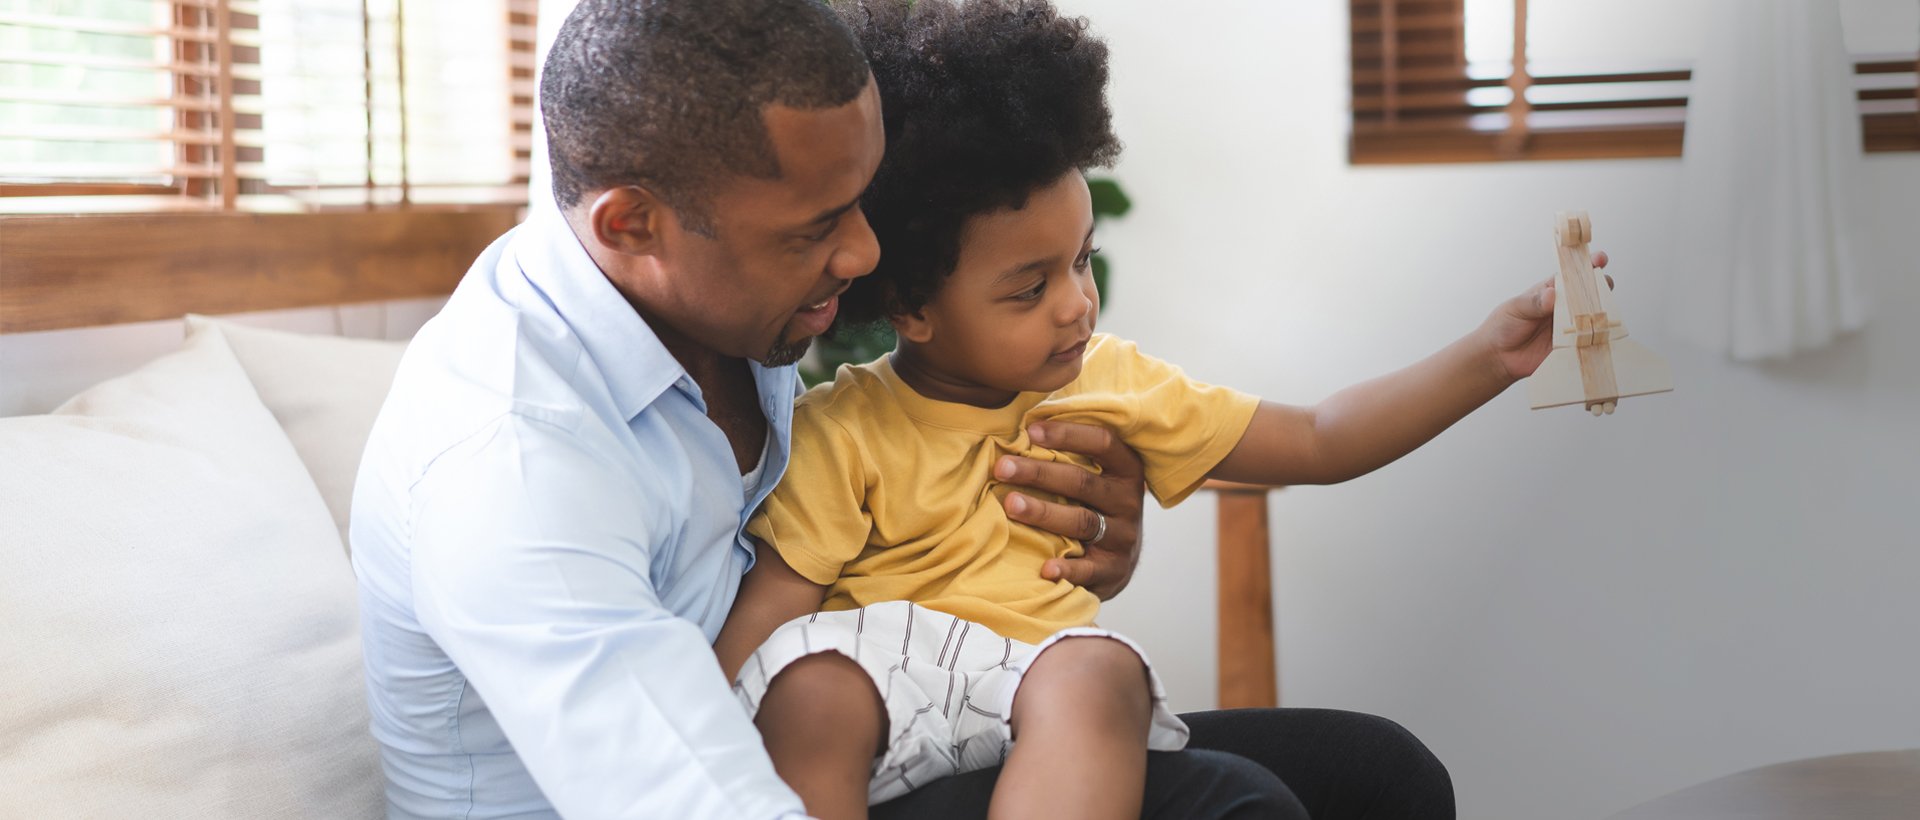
(1593, 362)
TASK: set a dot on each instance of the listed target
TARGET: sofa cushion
(324, 390)
(180, 631)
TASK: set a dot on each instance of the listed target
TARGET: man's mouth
(814, 319)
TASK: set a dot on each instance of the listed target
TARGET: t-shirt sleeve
(1180, 427)
(816, 517)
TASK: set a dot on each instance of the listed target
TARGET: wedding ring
(1101, 532)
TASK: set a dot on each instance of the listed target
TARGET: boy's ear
(912, 326)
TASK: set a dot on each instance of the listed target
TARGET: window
(127, 97)
(1889, 101)
(264, 105)
(1457, 81)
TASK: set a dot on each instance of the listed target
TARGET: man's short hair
(669, 94)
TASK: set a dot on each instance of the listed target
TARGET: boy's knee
(1085, 667)
(824, 689)
(1092, 655)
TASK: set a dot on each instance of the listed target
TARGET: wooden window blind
(522, 15)
(130, 97)
(1417, 99)
(1889, 90)
(264, 105)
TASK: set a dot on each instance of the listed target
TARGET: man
(546, 525)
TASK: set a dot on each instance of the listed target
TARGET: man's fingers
(1100, 443)
(1101, 573)
(1074, 522)
(1077, 571)
(1070, 480)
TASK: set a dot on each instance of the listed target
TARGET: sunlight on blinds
(124, 97)
(51, 74)
(323, 57)
(119, 104)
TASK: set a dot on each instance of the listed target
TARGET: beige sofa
(178, 623)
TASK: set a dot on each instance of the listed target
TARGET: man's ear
(912, 326)
(631, 220)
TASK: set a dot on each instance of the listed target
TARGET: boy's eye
(1033, 292)
(1085, 259)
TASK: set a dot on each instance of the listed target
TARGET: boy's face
(1020, 305)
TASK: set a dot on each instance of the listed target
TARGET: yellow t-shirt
(890, 496)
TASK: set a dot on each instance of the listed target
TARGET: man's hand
(1521, 329)
(1116, 493)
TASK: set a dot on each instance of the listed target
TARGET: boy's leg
(1079, 722)
(823, 724)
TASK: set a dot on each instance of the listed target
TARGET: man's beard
(784, 353)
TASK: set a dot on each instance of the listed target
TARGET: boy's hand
(1116, 493)
(1520, 330)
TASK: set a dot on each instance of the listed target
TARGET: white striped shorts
(947, 683)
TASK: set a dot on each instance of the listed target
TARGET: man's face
(769, 279)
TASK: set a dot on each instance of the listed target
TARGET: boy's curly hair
(984, 102)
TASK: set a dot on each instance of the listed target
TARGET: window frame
(1410, 85)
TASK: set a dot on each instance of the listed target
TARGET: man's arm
(533, 571)
(1371, 424)
(771, 594)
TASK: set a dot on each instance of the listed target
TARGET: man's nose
(860, 252)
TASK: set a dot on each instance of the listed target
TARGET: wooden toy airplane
(1593, 362)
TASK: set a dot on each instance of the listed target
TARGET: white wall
(1576, 614)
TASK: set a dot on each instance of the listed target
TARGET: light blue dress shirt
(547, 532)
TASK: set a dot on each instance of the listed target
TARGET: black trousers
(1290, 764)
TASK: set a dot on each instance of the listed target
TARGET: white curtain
(1765, 268)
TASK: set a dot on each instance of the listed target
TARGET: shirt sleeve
(532, 559)
(817, 517)
(1181, 428)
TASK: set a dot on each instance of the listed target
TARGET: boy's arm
(771, 594)
(1369, 425)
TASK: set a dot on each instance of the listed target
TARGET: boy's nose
(1074, 308)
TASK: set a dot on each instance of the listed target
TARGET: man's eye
(824, 232)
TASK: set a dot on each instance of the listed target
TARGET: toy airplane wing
(1593, 363)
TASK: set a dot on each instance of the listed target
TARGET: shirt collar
(629, 355)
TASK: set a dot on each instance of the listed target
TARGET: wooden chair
(1248, 675)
